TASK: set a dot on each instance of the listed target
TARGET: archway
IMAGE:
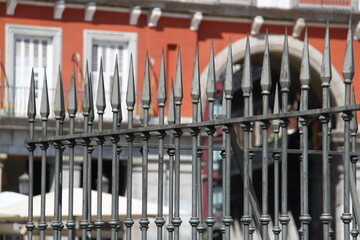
(295, 53)
(257, 46)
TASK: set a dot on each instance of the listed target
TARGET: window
(107, 46)
(29, 47)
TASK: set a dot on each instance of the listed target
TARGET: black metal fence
(256, 212)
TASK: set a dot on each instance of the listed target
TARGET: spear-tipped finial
(178, 88)
(354, 122)
(59, 106)
(285, 77)
(246, 81)
(265, 81)
(276, 110)
(171, 112)
(348, 68)
(31, 111)
(100, 96)
(115, 90)
(211, 79)
(86, 97)
(44, 108)
(161, 94)
(325, 73)
(72, 101)
(195, 87)
(146, 93)
(305, 65)
(229, 83)
(91, 103)
(130, 94)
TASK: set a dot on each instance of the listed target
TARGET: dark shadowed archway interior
(315, 101)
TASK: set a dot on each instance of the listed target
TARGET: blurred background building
(37, 34)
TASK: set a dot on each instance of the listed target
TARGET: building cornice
(214, 11)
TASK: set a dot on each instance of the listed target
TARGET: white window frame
(129, 38)
(12, 31)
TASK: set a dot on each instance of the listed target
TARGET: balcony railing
(347, 5)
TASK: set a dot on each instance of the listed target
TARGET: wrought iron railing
(256, 213)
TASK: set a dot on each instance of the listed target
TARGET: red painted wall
(170, 33)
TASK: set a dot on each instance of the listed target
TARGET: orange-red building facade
(170, 32)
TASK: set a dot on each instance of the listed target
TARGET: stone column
(66, 172)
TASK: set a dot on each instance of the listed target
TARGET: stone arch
(257, 44)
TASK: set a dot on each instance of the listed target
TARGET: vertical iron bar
(326, 78)
(201, 226)
(101, 106)
(116, 107)
(31, 113)
(171, 153)
(228, 94)
(130, 101)
(246, 86)
(72, 109)
(285, 80)
(304, 121)
(266, 87)
(90, 150)
(276, 157)
(211, 94)
(85, 141)
(59, 110)
(251, 158)
(354, 159)
(348, 73)
(161, 97)
(44, 113)
(146, 100)
(195, 96)
(178, 96)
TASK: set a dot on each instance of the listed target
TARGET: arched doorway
(315, 95)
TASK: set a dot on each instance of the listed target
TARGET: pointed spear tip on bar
(91, 113)
(100, 96)
(130, 94)
(195, 86)
(285, 76)
(228, 84)
(72, 101)
(146, 92)
(305, 64)
(246, 81)
(171, 110)
(276, 110)
(178, 88)
(265, 81)
(276, 100)
(44, 107)
(31, 111)
(115, 90)
(326, 73)
(161, 94)
(211, 78)
(59, 106)
(348, 67)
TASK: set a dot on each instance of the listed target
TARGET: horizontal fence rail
(261, 216)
